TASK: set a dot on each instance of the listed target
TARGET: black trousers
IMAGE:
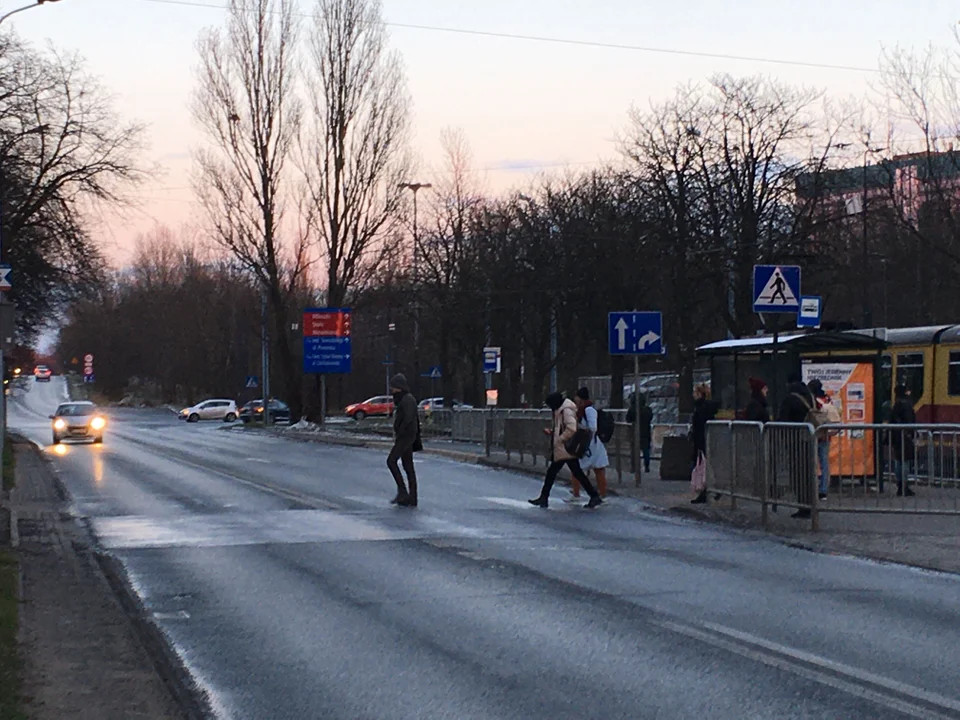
(404, 454)
(575, 470)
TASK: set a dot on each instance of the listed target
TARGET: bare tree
(247, 105)
(63, 153)
(355, 154)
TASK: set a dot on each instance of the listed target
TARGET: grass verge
(9, 466)
(9, 659)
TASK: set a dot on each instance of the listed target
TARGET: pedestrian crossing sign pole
(776, 292)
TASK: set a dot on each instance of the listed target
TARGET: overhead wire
(574, 42)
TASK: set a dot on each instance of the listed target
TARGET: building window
(910, 373)
(953, 374)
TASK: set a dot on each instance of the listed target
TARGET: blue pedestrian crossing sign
(253, 381)
(776, 288)
(434, 373)
(636, 333)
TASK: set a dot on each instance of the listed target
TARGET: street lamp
(25, 7)
(416, 188)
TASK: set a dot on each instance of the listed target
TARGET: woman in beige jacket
(564, 428)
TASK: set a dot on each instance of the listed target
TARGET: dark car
(253, 411)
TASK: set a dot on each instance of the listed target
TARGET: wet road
(292, 589)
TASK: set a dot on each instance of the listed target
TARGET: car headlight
(259, 410)
(98, 423)
(59, 424)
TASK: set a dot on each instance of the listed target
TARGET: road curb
(189, 698)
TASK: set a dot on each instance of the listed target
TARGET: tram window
(953, 374)
(910, 373)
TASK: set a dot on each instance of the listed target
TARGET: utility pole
(265, 355)
(867, 320)
(416, 188)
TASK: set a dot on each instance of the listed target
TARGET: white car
(216, 409)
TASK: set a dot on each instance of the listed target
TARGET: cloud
(523, 165)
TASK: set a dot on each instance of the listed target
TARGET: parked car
(42, 373)
(216, 409)
(253, 411)
(436, 403)
(377, 405)
(78, 420)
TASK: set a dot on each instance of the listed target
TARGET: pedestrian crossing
(375, 524)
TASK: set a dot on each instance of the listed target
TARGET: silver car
(216, 409)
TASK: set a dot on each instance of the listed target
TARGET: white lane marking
(846, 678)
(257, 460)
(178, 615)
(862, 675)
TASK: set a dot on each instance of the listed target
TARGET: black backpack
(605, 426)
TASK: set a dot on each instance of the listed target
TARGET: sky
(526, 106)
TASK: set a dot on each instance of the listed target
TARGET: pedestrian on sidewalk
(757, 409)
(796, 408)
(642, 413)
(704, 410)
(406, 431)
(901, 441)
(564, 429)
(828, 415)
(596, 456)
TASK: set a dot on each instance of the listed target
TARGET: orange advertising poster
(849, 386)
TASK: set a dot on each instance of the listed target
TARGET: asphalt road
(292, 589)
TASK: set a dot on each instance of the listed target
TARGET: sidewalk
(928, 541)
(82, 655)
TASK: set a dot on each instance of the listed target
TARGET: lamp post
(864, 274)
(416, 188)
(25, 7)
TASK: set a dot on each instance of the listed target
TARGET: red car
(378, 405)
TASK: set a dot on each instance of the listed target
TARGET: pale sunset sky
(525, 106)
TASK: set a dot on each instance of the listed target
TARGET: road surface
(292, 589)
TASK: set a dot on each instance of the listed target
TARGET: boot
(595, 501)
(412, 499)
(539, 502)
(401, 497)
(700, 499)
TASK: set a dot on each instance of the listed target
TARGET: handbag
(418, 442)
(698, 478)
(579, 443)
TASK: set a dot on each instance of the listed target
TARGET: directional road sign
(5, 283)
(776, 288)
(253, 381)
(326, 341)
(811, 310)
(491, 359)
(434, 373)
(636, 333)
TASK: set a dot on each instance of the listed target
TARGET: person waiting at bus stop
(901, 441)
(796, 408)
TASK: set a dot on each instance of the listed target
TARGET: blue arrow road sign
(776, 288)
(811, 310)
(636, 333)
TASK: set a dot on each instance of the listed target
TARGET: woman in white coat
(563, 430)
(596, 458)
